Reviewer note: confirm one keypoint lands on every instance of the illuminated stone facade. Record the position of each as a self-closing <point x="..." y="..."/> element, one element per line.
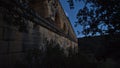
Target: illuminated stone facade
<point x="31" y="24"/>
<point x="52" y="11"/>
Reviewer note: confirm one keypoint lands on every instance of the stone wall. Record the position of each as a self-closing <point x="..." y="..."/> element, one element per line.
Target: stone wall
<point x="21" y="30"/>
<point x="55" y="14"/>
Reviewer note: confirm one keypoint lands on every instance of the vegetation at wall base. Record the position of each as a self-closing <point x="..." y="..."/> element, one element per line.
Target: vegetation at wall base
<point x="54" y="57"/>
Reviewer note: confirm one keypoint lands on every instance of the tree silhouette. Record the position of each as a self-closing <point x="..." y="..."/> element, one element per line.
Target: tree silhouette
<point x="99" y="16"/>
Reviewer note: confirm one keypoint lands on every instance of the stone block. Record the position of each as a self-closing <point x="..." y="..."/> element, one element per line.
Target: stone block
<point x="4" y="47"/>
<point x="4" y="61"/>
<point x="12" y="34"/>
<point x="26" y="37"/>
<point x="15" y="58"/>
<point x="10" y="60"/>
<point x="1" y="20"/>
<point x="1" y="33"/>
<point x="15" y="46"/>
<point x="27" y="45"/>
<point x="8" y="34"/>
<point x="18" y="36"/>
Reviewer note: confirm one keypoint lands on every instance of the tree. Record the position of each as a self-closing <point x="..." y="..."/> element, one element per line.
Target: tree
<point x="99" y="17"/>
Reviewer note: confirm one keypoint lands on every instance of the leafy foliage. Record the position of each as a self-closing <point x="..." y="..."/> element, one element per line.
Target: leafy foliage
<point x="99" y="16"/>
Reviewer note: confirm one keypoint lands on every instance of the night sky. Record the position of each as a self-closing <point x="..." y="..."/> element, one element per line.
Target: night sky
<point x="71" y="13"/>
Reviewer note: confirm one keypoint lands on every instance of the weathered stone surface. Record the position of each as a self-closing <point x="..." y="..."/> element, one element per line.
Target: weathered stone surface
<point x="4" y="61"/>
<point x="1" y="33"/>
<point x="22" y="29"/>
<point x="18" y="36"/>
<point x="4" y="47"/>
<point x="8" y="33"/>
<point x="11" y="60"/>
<point x="55" y="13"/>
<point x="60" y="31"/>
<point x="15" y="46"/>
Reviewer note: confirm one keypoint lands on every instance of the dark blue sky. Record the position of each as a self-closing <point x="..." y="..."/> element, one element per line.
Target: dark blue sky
<point x="71" y="13"/>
